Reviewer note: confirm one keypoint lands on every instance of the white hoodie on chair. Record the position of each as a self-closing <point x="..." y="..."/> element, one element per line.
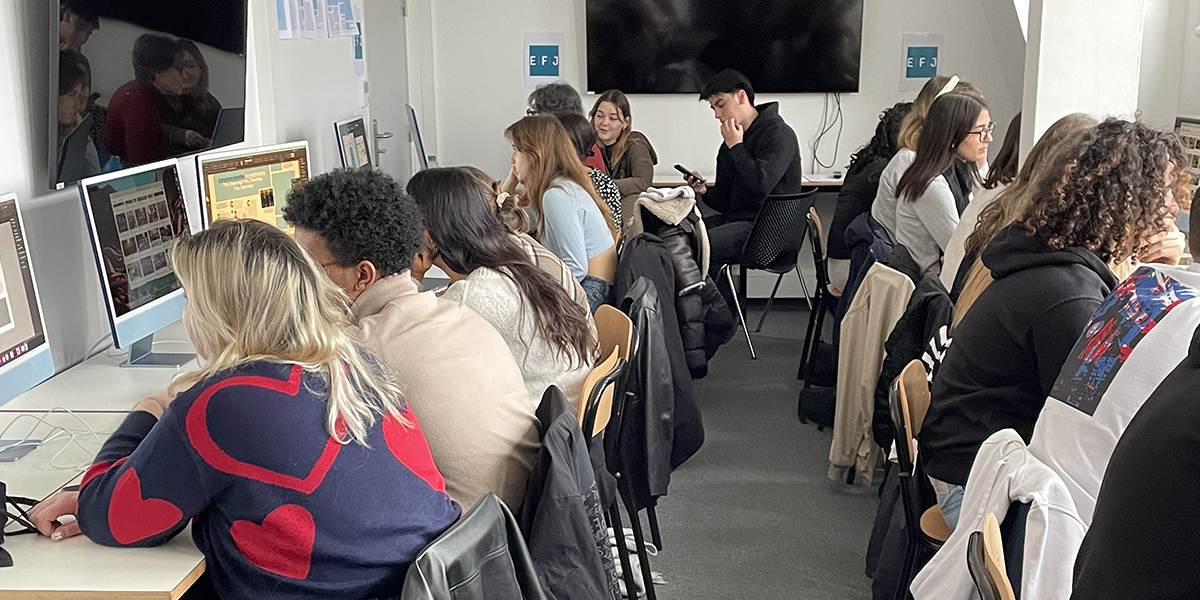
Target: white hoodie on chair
<point x="1005" y="472"/>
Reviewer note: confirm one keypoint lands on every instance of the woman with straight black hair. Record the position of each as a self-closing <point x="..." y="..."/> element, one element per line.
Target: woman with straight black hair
<point x="548" y="334"/>
<point x="936" y="189"/>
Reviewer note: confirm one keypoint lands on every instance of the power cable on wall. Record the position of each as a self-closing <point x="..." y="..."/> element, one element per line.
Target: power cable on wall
<point x="828" y="122"/>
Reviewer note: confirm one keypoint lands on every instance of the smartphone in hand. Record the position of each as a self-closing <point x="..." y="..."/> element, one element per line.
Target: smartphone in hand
<point x="688" y="175"/>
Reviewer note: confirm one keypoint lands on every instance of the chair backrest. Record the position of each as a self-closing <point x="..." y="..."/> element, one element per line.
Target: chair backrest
<point x="483" y="555"/>
<point x="597" y="392"/>
<point x="816" y="239"/>
<point x="615" y="331"/>
<point x="977" y="566"/>
<point x="993" y="556"/>
<point x="914" y="395"/>
<point x="778" y="233"/>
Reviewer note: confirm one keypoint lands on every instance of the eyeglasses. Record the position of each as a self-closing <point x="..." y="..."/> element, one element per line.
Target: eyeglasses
<point x="987" y="130"/>
<point x="529" y="112"/>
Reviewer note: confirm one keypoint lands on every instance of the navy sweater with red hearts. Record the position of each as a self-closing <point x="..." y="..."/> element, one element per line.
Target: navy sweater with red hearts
<point x="279" y="508"/>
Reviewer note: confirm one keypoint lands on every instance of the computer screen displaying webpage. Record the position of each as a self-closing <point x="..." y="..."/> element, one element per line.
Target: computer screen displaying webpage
<point x="21" y="328"/>
<point x="136" y="219"/>
<point x="254" y="185"/>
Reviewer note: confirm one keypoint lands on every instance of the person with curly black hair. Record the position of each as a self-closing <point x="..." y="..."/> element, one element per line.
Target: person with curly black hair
<point x="453" y="367"/>
<point x="861" y="185"/>
<point x="1110" y="198"/>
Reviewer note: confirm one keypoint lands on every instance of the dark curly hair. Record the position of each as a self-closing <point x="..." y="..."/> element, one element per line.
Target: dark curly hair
<point x="1110" y="194"/>
<point x="361" y="215"/>
<point x="883" y="144"/>
<point x="557" y="98"/>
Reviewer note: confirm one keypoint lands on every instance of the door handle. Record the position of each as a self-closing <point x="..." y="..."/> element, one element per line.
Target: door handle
<point x="384" y="135"/>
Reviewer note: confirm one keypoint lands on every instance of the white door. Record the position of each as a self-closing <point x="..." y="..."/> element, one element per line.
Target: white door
<point x="385" y="51"/>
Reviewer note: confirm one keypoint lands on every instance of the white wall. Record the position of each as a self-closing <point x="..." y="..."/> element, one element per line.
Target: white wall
<point x="1189" y="74"/>
<point x="114" y="42"/>
<point x="1166" y="32"/>
<point x="479" y="90"/>
<point x="295" y="90"/>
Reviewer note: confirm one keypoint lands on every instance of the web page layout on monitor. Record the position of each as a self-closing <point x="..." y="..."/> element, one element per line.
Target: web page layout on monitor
<point x="137" y="218"/>
<point x="253" y="186"/>
<point x="20" y="320"/>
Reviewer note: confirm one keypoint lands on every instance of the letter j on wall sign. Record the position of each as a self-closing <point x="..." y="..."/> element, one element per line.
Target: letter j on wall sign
<point x="543" y="58"/>
<point x="920" y="59"/>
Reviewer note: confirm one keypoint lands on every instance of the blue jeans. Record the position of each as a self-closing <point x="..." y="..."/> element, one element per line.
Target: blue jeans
<point x="949" y="499"/>
<point x="596" y="290"/>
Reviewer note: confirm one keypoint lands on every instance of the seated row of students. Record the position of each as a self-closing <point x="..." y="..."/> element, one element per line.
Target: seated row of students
<point x="337" y="317"/>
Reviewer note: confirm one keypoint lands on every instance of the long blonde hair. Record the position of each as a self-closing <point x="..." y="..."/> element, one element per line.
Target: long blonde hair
<point x="551" y="155"/>
<point x="914" y="121"/>
<point x="254" y="295"/>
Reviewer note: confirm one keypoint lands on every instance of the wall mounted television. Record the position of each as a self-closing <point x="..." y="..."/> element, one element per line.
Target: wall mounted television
<point x="138" y="81"/>
<point x="674" y="46"/>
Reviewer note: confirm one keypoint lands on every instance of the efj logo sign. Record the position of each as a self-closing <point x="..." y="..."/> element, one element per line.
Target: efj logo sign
<point x="543" y="61"/>
<point x="922" y="61"/>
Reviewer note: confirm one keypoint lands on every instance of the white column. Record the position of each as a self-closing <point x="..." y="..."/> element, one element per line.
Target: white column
<point x="1081" y="56"/>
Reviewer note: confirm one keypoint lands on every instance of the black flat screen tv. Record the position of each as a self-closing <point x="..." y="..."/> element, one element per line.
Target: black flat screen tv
<point x="138" y="81"/>
<point x="674" y="46"/>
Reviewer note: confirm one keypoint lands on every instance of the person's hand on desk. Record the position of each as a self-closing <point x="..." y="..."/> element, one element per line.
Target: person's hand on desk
<point x="45" y="515"/>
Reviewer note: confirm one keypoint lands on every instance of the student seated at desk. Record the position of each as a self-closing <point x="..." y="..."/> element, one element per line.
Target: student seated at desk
<point x="548" y="335"/>
<point x="454" y="368"/>
<point x="760" y="157"/>
<point x="1100" y="203"/>
<point x="293" y="455"/>
<point x="570" y="218"/>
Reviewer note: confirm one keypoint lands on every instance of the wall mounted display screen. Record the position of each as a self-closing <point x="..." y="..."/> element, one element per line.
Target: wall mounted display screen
<point x="137" y="81"/>
<point x="675" y="46"/>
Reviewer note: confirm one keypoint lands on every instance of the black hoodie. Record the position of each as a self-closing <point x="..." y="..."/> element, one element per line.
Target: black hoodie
<point x="767" y="162"/>
<point x="1009" y="347"/>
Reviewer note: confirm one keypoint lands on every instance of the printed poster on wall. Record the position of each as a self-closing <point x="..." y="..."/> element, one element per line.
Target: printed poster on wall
<point x="920" y="55"/>
<point x="543" y="58"/>
<point x="1188" y="130"/>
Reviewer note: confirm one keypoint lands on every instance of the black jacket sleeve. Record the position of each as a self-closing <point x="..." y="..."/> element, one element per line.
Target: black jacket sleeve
<point x="763" y="166"/>
<point x="1053" y="335"/>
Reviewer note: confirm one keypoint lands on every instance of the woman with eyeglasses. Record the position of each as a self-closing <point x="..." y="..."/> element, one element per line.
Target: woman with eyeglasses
<point x="936" y="189"/>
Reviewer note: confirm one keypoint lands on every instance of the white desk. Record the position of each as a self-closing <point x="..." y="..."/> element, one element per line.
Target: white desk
<point x="100" y="392"/>
<point x="100" y="384"/>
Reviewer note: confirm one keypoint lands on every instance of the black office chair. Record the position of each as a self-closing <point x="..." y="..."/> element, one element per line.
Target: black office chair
<point x="773" y="245"/>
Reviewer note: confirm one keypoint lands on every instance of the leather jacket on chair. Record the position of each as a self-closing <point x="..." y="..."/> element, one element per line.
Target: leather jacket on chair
<point x="481" y="557"/>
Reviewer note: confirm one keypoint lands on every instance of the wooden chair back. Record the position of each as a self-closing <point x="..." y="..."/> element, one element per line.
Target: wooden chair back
<point x="597" y="375"/>
<point x="993" y="557"/>
<point x="914" y="401"/>
<point x="615" y="331"/>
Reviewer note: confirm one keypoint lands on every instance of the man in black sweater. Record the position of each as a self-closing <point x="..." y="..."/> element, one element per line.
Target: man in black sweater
<point x="760" y="157"/>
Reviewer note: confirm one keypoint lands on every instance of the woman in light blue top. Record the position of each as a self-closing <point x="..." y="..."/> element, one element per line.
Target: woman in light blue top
<point x="571" y="219"/>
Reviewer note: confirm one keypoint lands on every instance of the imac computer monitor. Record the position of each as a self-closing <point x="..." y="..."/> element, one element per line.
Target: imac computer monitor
<point x="25" y="359"/>
<point x="134" y="216"/>
<point x="251" y="183"/>
<point x="352" y="143"/>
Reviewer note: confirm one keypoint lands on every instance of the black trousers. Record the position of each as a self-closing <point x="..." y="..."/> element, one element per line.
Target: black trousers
<point x="725" y="241"/>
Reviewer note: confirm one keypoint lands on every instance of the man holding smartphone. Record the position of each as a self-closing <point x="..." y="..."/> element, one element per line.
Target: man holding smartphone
<point x="760" y="157"/>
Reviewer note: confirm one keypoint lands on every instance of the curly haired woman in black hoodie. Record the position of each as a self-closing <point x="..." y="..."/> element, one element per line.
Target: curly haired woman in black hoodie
<point x="1101" y="203"/>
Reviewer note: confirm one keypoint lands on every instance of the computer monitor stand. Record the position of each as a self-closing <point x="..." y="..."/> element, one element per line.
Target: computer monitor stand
<point x="142" y="354"/>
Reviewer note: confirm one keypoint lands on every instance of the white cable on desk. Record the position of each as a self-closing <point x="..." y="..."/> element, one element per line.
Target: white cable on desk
<point x="56" y="433"/>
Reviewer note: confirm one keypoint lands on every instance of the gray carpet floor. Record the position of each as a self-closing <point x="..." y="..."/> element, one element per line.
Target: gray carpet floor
<point x="753" y="513"/>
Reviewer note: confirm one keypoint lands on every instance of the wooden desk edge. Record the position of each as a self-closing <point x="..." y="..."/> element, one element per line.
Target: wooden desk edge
<point x="190" y="580"/>
<point x="174" y="594"/>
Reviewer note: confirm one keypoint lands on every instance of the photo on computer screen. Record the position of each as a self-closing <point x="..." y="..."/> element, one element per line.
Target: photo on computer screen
<point x="20" y="319"/>
<point x="253" y="184"/>
<point x="156" y="201"/>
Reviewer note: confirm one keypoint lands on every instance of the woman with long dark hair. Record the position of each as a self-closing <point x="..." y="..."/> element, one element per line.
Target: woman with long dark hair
<point x="860" y="187"/>
<point x="191" y="117"/>
<point x="547" y="333"/>
<point x="1003" y="172"/>
<point x="937" y="187"/>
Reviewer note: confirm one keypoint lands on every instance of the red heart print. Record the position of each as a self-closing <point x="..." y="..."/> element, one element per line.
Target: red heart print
<point x="409" y="446"/>
<point x="132" y="518"/>
<point x="198" y="435"/>
<point x="282" y="544"/>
